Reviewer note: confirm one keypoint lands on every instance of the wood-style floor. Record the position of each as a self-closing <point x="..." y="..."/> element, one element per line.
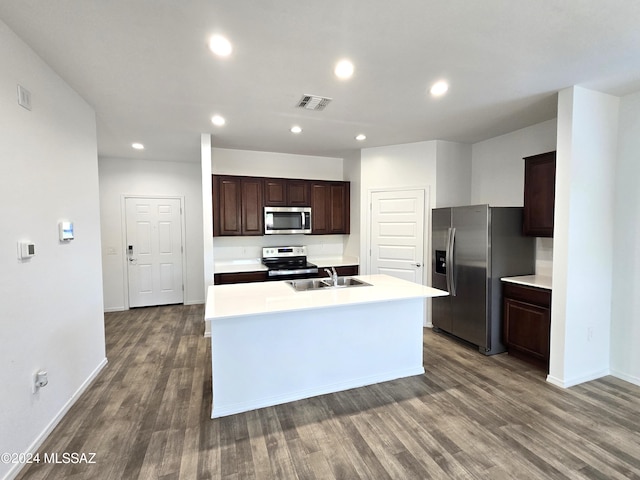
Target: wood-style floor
<point x="147" y="416"/>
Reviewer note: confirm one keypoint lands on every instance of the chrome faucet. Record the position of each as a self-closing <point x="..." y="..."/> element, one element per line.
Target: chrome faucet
<point x="333" y="275"/>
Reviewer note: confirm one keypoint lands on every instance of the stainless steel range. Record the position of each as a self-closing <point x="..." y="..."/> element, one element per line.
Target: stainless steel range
<point x="288" y="263"/>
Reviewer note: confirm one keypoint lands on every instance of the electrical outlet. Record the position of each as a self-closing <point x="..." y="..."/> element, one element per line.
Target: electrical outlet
<point x="40" y="379"/>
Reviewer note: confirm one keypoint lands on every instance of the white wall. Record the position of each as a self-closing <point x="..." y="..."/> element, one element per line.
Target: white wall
<point x="453" y="174"/>
<point x="353" y="174"/>
<point x="272" y="164"/>
<point x="583" y="236"/>
<point x="497" y="176"/>
<point x="625" y="321"/>
<point x="279" y="165"/>
<point x="51" y="307"/>
<point x="207" y="209"/>
<point x="126" y="176"/>
<point x="410" y="165"/>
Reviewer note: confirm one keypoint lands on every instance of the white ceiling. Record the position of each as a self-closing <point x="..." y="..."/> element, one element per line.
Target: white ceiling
<point x="145" y="67"/>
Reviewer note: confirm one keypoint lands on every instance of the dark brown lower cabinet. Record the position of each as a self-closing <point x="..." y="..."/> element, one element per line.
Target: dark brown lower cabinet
<point x="343" y="271"/>
<point x="261" y="276"/>
<point x="240" y="277"/>
<point x="527" y="323"/>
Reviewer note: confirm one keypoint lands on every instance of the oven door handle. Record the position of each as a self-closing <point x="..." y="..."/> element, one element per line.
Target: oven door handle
<point x="277" y="273"/>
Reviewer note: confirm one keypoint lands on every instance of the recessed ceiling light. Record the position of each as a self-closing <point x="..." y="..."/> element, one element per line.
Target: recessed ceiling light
<point x="344" y="69"/>
<point x="439" y="88"/>
<point x="296" y="129"/>
<point x="220" y="46"/>
<point x="361" y="137"/>
<point x="137" y="146"/>
<point x="218" y="120"/>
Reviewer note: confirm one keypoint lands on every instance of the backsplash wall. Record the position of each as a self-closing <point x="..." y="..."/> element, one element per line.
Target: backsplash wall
<point x="544" y="256"/>
<point x="248" y="248"/>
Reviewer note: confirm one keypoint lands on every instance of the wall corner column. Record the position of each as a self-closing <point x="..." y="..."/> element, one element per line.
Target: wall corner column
<point x="207" y="209"/>
<point x="583" y="236"/>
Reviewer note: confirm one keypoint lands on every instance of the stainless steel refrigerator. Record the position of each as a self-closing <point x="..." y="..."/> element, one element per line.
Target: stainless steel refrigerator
<point x="472" y="248"/>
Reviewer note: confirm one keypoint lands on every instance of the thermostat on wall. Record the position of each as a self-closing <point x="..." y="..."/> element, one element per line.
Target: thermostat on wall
<point x="66" y="231"/>
<point x="26" y="250"/>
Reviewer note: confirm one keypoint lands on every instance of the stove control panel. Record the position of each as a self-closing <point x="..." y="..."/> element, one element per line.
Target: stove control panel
<point x="294" y="251"/>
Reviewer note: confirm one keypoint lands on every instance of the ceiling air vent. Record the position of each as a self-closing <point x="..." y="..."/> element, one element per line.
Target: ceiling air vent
<point x="313" y="102"/>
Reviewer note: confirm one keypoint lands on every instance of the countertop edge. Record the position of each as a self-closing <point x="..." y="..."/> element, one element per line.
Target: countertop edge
<point x="387" y="289"/>
<point x="537" y="281"/>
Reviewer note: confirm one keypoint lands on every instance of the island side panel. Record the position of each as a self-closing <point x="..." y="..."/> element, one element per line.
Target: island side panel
<point x="269" y="359"/>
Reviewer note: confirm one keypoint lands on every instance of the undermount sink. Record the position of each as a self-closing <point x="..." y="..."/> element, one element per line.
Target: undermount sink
<point x="325" y="283"/>
<point x="349" y="282"/>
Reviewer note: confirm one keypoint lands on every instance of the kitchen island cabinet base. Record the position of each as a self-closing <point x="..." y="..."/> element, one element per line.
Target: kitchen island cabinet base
<point x="272" y="358"/>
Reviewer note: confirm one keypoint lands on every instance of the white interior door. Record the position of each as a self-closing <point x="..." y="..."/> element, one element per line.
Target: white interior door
<point x="154" y="251"/>
<point x="397" y="234"/>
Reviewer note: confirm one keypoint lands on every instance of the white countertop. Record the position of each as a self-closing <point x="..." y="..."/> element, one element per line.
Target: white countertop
<point x="255" y="264"/>
<point x="239" y="266"/>
<point x="245" y="299"/>
<point x="539" y="281"/>
<point x="323" y="262"/>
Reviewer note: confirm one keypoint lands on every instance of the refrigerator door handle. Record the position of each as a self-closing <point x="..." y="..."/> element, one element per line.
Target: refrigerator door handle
<point x="451" y="280"/>
<point x="447" y="260"/>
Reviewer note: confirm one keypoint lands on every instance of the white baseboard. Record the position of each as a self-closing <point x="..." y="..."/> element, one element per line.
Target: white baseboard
<point x="15" y="470"/>
<point x="114" y="309"/>
<point x="122" y="309"/>
<point x="195" y="302"/>
<point x="571" y="382"/>
<point x="626" y="377"/>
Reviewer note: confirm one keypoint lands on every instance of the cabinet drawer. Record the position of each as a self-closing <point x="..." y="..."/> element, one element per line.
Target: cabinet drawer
<point x="533" y="295"/>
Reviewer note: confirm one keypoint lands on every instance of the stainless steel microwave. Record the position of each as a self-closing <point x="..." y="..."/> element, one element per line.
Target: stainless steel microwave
<point x="287" y="220"/>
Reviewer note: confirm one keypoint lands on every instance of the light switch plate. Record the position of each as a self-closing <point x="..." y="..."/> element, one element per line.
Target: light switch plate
<point x="24" y="97"/>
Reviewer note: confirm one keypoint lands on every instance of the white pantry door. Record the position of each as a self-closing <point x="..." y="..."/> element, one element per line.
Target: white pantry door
<point x="397" y="234"/>
<point x="154" y="251"/>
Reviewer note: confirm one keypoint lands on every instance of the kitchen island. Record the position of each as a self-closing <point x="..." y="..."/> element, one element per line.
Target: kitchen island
<point x="271" y="344"/>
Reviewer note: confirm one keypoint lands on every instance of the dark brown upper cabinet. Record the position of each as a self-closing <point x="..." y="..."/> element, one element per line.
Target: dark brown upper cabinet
<point x="330" y="207"/>
<point x="237" y="206"/>
<point x="539" y="194"/>
<point x="238" y="203"/>
<point x="285" y="192"/>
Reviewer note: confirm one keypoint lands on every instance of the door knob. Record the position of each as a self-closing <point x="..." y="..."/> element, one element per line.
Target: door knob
<point x="417" y="265"/>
